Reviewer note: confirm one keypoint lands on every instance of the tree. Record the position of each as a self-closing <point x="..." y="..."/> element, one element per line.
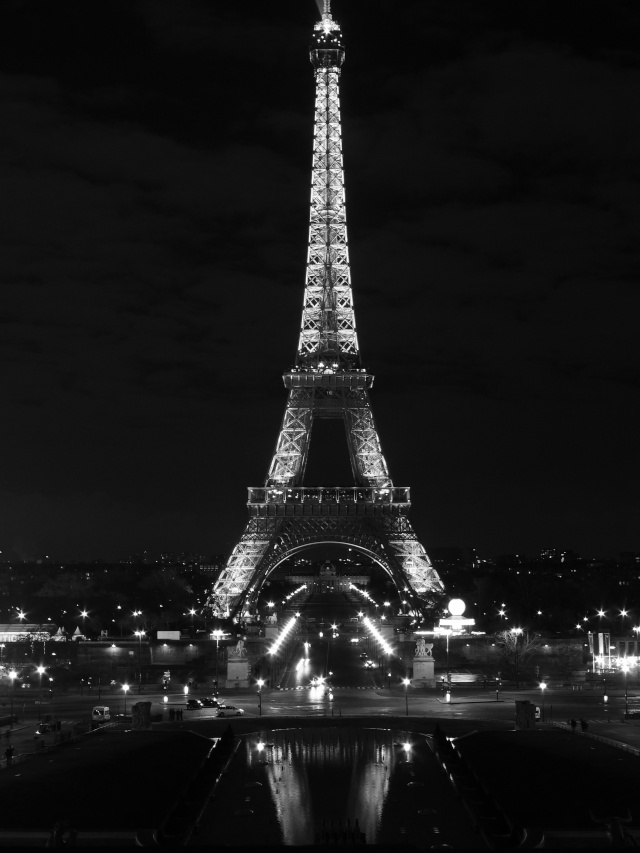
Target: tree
<point x="516" y="645"/>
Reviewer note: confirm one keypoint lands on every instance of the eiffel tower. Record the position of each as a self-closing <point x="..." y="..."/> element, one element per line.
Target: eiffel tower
<point x="327" y="381"/>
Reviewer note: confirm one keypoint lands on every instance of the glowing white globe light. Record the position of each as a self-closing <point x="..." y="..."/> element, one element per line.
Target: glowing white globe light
<point x="456" y="607"/>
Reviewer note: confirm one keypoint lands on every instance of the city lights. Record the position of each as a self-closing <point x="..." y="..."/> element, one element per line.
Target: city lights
<point x="283" y="635"/>
<point x="372" y="628"/>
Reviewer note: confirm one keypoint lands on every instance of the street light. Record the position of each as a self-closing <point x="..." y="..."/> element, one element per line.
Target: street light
<point x="40" y="672"/>
<point x="543" y="686"/>
<point x="406" y="682"/>
<point x="625" y="669"/>
<point x="260" y="683"/>
<point x="12" y="675"/>
<point x="217" y="634"/>
<point x="517" y="632"/>
<point x="125" y="687"/>
<point x="139" y="635"/>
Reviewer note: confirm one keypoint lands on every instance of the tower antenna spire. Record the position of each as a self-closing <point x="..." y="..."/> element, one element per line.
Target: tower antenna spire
<point x="327" y="9"/>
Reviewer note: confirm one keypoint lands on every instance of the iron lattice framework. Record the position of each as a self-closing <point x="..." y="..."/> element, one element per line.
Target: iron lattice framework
<point x="327" y="381"/>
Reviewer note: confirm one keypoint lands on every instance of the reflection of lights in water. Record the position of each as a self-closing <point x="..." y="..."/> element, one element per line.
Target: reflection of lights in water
<point x="326" y="775"/>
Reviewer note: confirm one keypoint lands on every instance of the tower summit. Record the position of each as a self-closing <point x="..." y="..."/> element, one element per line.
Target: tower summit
<point x="327" y="381"/>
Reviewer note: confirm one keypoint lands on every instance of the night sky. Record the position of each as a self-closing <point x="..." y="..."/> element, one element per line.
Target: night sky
<point x="155" y="177"/>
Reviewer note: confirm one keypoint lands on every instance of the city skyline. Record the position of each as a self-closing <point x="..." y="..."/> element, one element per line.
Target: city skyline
<point x="157" y="164"/>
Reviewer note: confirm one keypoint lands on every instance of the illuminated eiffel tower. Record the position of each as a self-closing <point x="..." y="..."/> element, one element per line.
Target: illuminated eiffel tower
<point x="327" y="381"/>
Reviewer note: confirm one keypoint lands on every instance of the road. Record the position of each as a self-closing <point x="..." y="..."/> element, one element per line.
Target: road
<point x="351" y="687"/>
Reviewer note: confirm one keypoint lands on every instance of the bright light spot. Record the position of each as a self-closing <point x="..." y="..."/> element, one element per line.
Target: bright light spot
<point x="456" y="607"/>
<point x="282" y="636"/>
<point x="406" y="746"/>
<point x="260" y="746"/>
<point x="369" y="624"/>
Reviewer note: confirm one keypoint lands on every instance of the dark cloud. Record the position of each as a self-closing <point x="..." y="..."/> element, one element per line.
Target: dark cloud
<point x="155" y="173"/>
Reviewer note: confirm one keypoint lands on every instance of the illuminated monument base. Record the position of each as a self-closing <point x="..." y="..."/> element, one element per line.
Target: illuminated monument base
<point x="423" y="665"/>
<point x="238" y="669"/>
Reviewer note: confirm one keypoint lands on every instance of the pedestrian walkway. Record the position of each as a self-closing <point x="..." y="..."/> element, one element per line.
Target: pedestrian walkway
<point x="621" y="733"/>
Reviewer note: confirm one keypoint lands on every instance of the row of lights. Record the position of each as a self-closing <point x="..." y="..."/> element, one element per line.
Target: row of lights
<point x="283" y="634"/>
<point x="372" y="628"/>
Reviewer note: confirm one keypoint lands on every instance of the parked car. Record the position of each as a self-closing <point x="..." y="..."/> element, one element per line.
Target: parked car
<point x="210" y="702"/>
<point x="229" y="711"/>
<point x="369" y="664"/>
<point x="194" y="705"/>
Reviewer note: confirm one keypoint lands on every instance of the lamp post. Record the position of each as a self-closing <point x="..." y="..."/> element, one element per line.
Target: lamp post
<point x="40" y="672"/>
<point x="517" y="632"/>
<point x="623" y="613"/>
<point x="125" y="687"/>
<point x="543" y="686"/>
<point x="260" y="683"/>
<point x="12" y="675"/>
<point x="406" y="682"/>
<point x="139" y="634"/>
<point x="217" y="634"/>
<point x="625" y="669"/>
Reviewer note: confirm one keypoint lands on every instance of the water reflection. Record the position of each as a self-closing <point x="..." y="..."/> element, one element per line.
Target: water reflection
<point x="324" y="779"/>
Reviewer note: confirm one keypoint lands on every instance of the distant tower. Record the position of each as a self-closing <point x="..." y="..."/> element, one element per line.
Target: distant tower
<point x="327" y="381"/>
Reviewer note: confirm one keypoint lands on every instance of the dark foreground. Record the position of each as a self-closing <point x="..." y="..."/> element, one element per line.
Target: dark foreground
<point x="176" y="787"/>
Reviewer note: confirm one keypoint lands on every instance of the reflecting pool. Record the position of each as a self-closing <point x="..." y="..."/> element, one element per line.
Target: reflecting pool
<point x="335" y="785"/>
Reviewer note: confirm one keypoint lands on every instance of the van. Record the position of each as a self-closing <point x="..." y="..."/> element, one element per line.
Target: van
<point x="100" y="714"/>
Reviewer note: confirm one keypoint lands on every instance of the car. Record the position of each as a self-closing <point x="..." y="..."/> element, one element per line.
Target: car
<point x="194" y="705"/>
<point x="369" y="663"/>
<point x="100" y="714"/>
<point x="210" y="702"/>
<point x="229" y="711"/>
<point x="364" y="655"/>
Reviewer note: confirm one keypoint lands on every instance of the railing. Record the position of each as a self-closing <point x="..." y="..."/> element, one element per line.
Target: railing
<point x="634" y="750"/>
<point x="334" y="495"/>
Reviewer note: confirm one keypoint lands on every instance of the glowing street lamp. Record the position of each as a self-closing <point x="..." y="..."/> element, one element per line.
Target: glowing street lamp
<point x="125" y="688"/>
<point x="623" y="614"/>
<point x="517" y="632"/>
<point x="139" y="635"/>
<point x="406" y="682"/>
<point x="12" y="675"/>
<point x="260" y="684"/>
<point x="40" y="672"/>
<point x="217" y="634"/>
<point x="543" y="686"/>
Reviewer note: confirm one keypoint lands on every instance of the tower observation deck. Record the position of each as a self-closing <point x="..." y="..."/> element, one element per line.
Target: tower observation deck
<point x="327" y="380"/>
